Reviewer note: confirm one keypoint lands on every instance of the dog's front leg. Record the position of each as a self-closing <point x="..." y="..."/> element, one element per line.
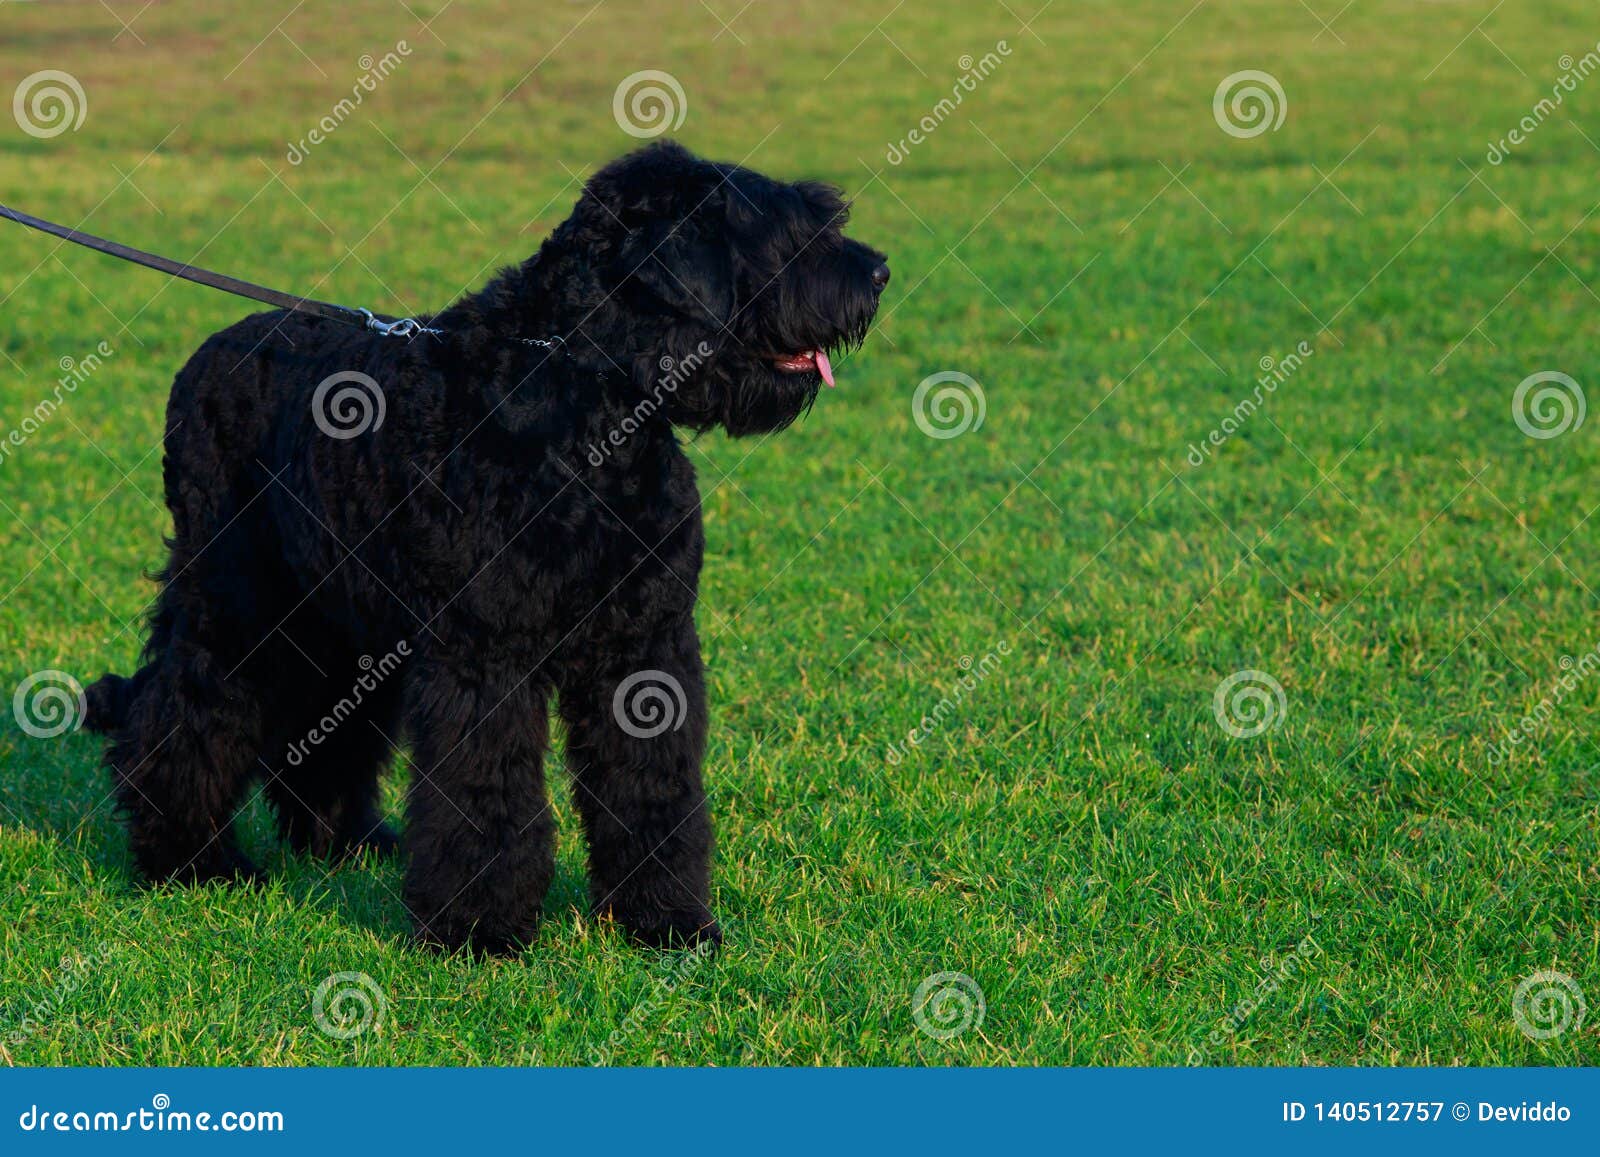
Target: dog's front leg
<point x="635" y="715"/>
<point x="480" y="835"/>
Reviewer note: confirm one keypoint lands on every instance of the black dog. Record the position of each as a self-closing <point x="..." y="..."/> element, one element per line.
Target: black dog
<point x="499" y="520"/>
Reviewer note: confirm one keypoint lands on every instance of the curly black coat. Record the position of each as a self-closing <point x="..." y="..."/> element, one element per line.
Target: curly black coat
<point x="499" y="521"/>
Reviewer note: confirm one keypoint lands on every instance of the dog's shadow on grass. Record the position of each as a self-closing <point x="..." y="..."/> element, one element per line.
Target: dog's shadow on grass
<point x="365" y="891"/>
<point x="56" y="789"/>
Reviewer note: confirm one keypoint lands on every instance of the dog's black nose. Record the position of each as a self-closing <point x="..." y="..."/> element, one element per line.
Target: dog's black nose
<point x="880" y="277"/>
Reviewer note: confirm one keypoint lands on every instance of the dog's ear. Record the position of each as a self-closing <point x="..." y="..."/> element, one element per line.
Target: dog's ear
<point x="667" y="205"/>
<point x="691" y="275"/>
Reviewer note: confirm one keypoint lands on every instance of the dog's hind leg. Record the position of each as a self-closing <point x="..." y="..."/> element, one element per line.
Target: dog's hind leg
<point x="182" y="760"/>
<point x="188" y="743"/>
<point x="636" y="729"/>
<point x="479" y="831"/>
<point x="323" y="774"/>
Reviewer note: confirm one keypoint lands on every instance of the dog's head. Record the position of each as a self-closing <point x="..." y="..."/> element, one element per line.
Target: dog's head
<point x="728" y="289"/>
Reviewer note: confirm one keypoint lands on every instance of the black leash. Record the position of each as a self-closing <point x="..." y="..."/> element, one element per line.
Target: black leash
<point x="406" y="327"/>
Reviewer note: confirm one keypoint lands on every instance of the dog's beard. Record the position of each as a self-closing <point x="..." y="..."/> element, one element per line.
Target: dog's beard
<point x="737" y="390"/>
<point x="750" y="388"/>
<point x="767" y="400"/>
<point x="777" y="369"/>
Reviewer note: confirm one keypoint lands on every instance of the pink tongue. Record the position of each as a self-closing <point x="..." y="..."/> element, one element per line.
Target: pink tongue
<point x="824" y="367"/>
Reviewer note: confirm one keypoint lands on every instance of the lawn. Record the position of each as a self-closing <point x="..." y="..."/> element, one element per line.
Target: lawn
<point x="1349" y="864"/>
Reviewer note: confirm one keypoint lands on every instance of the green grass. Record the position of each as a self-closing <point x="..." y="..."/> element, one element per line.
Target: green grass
<point x="1079" y="836"/>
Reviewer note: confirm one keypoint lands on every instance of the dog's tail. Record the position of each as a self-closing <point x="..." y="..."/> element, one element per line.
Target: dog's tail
<point x="109" y="699"/>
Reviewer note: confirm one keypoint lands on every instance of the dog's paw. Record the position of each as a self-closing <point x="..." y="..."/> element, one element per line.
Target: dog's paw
<point x="219" y="864"/>
<point x="479" y="941"/>
<point x="682" y="929"/>
<point x="380" y="841"/>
